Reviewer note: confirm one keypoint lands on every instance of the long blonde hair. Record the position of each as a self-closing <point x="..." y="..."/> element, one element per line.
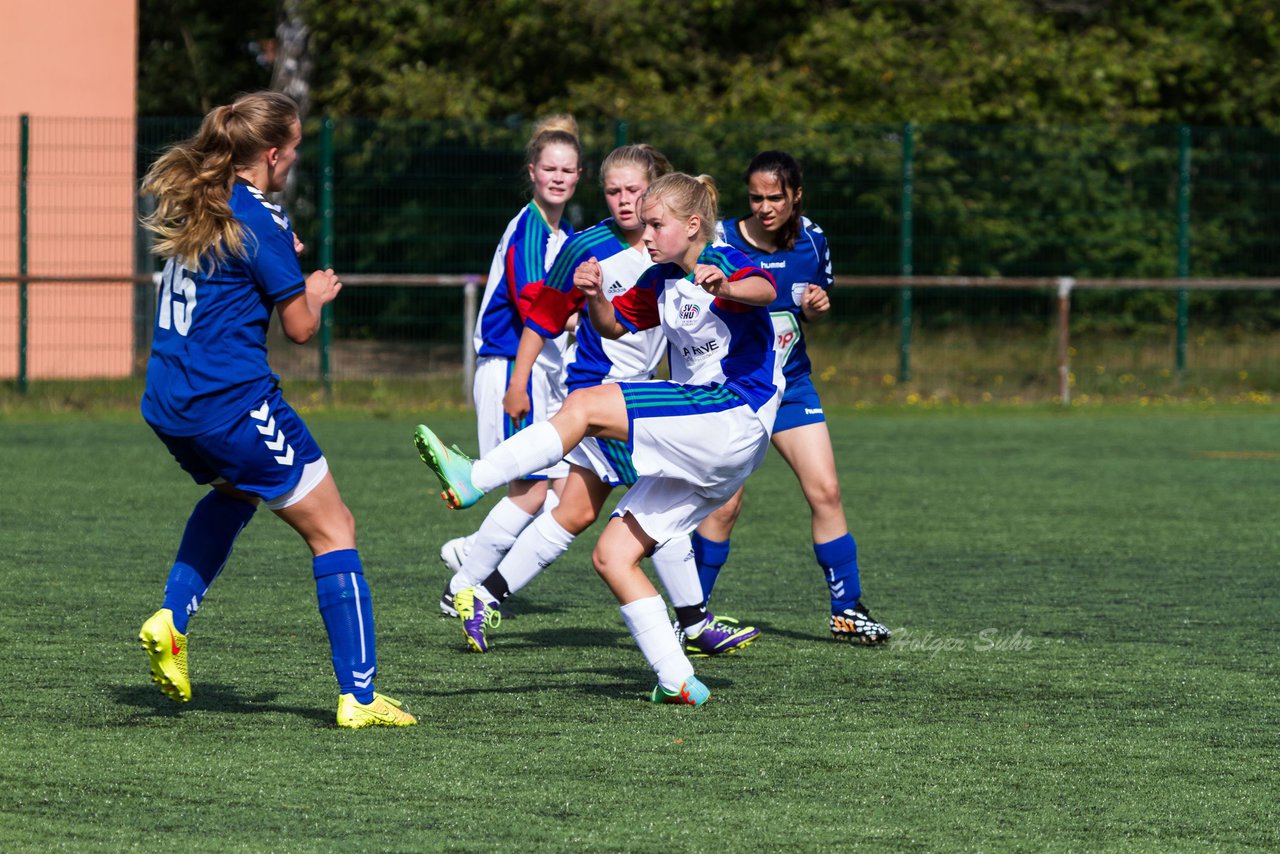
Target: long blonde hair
<point x="192" y="181"/>
<point x="684" y="196"/>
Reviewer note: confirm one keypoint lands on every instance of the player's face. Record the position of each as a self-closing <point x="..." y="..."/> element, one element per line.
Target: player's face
<point x="771" y="205"/>
<point x="555" y="175"/>
<point x="623" y="186"/>
<point x="667" y="238"/>
<point x="280" y="160"/>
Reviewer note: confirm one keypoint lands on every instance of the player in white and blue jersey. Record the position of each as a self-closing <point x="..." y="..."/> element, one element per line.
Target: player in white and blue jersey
<point x="211" y="397"/>
<point x="510" y="396"/>
<point x="693" y="440"/>
<point x="597" y="465"/>
<point x="779" y="238"/>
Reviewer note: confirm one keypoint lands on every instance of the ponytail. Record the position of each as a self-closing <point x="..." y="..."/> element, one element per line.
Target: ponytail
<point x="192" y="181"/>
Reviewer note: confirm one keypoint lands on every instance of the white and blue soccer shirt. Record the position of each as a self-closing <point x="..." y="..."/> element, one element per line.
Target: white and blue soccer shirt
<point x="597" y="360"/>
<point x="208" y="360"/>
<point x="523" y="256"/>
<point x="713" y="341"/>
<point x="808" y="262"/>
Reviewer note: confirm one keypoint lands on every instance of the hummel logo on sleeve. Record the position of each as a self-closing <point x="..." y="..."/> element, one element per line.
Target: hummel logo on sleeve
<point x="277" y="212"/>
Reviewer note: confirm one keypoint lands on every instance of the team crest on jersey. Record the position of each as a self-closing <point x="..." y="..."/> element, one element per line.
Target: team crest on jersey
<point x="689" y="313"/>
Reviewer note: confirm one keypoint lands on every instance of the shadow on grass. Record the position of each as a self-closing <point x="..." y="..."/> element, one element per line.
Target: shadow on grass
<point x="151" y="704"/>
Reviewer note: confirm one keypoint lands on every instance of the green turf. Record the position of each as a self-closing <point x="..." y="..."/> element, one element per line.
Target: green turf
<point x="1084" y="606"/>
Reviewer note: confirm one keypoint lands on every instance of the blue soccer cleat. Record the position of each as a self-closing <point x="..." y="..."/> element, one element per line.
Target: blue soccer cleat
<point x="450" y="465"/>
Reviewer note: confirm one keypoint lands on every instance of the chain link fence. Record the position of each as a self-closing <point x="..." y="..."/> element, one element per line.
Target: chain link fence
<point x="948" y="242"/>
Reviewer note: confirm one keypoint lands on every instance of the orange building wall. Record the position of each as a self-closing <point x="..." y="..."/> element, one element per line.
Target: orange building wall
<point x="70" y="65"/>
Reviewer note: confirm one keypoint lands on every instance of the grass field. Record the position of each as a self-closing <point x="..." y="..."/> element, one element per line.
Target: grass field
<point x="1085" y="615"/>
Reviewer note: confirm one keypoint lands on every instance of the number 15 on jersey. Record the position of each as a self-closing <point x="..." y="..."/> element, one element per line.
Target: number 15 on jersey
<point x="177" y="298"/>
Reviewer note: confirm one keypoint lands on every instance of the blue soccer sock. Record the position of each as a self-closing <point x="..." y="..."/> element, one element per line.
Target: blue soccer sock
<point x="347" y="609"/>
<point x="206" y="544"/>
<point x="839" y="562"/>
<point x="711" y="556"/>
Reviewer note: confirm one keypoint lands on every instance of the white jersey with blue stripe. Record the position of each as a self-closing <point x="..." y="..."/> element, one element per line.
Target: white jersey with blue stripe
<point x="523" y="256"/>
<point x="208" y="360"/>
<point x="808" y="262"/>
<point x="712" y="340"/>
<point x="599" y="360"/>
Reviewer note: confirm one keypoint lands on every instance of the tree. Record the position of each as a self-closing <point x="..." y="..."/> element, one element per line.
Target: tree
<point x="194" y="55"/>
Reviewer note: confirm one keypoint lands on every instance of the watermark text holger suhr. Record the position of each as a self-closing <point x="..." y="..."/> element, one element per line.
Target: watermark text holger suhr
<point x="986" y="640"/>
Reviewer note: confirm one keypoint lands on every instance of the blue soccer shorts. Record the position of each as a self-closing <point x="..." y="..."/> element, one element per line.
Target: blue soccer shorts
<point x="262" y="450"/>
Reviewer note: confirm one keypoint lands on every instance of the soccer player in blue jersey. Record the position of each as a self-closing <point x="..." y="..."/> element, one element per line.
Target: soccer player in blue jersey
<point x="693" y="439"/>
<point x="597" y="465"/>
<point x="231" y="259"/>
<point x="778" y="237"/>
<point x="509" y="397"/>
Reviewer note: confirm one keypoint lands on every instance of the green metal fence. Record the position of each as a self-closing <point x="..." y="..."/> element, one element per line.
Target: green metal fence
<point x="382" y="200"/>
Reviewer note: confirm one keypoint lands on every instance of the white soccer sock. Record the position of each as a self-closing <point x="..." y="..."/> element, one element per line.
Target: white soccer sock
<point x="647" y="620"/>
<point x="552" y="501"/>
<point x="536" y="547"/>
<point x="678" y="571"/>
<point x="495" y="537"/>
<point x="532" y="449"/>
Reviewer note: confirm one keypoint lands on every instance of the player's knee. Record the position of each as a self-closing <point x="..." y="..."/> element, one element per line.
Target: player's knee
<point x="575" y="520"/>
<point x="825" y="495"/>
<point x="607" y="565"/>
<point x="727" y="513"/>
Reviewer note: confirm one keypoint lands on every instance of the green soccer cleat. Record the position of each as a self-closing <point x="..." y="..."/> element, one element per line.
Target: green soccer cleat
<point x="381" y="711"/>
<point x="167" y="650"/>
<point x="450" y="465"/>
<point x="691" y="693"/>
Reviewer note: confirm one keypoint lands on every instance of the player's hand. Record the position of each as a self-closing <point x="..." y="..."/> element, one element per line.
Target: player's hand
<point x="589" y="277"/>
<point x="710" y="278"/>
<point x="298" y="245"/>
<point x="815" y="302"/>
<point x="323" y="286"/>
<point x="515" y="403"/>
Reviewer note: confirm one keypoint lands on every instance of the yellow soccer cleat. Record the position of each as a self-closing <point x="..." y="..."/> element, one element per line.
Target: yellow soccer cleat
<point x="382" y="711"/>
<point x="167" y="650"/>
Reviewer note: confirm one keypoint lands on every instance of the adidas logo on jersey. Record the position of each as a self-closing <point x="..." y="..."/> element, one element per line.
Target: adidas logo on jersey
<point x="615" y="288"/>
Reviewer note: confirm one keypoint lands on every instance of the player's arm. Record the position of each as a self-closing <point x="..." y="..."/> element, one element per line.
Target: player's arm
<point x="274" y="265"/>
<point x="588" y="279"/>
<point x="815" y="302"/>
<point x="750" y="289"/>
<point x="300" y="314"/>
<point x="515" y="402"/>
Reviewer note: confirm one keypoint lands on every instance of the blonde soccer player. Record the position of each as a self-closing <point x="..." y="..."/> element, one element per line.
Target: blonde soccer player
<point x="212" y="399"/>
<point x="693" y="439"/>
<point x="507" y="400"/>
<point x="597" y="465"/>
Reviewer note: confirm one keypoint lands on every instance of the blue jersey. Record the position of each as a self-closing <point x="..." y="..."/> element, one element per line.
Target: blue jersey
<point x="713" y="341"/>
<point x="808" y="262"/>
<point x="523" y="256"/>
<point x="209" y="347"/>
<point x="597" y="359"/>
